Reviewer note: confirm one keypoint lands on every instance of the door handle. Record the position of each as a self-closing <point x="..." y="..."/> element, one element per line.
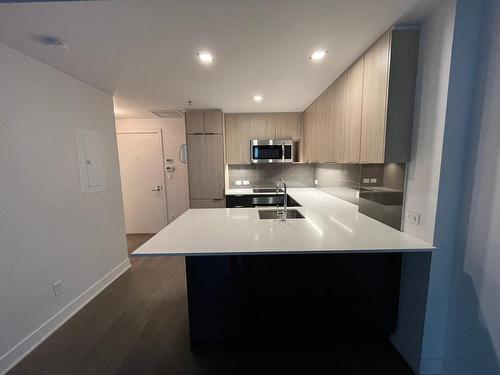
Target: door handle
<point x="156" y="188"/>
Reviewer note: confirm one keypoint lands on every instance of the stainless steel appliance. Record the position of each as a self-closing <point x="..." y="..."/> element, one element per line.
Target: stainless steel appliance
<point x="267" y="190"/>
<point x="271" y="151"/>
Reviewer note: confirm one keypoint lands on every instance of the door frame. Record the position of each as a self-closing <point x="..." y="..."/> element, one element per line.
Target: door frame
<point x="162" y="152"/>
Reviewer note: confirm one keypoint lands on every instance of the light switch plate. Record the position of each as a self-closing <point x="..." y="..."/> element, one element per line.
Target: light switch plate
<point x="246" y="182"/>
<point x="413" y="218"/>
<point x="373" y="180"/>
<point x="366" y="180"/>
<point x="315" y="182"/>
<point x="237" y="182"/>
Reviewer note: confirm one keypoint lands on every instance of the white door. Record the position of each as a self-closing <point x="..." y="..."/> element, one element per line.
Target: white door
<point x="141" y="170"/>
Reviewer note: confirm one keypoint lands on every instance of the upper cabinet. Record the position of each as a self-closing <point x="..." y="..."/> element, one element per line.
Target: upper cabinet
<point x="195" y="123"/>
<point x="336" y="125"/>
<point x="390" y="70"/>
<point x="324" y="125"/>
<point x="319" y="128"/>
<point x="366" y="115"/>
<point x="262" y="125"/>
<point x="353" y="110"/>
<point x="288" y="125"/>
<point x="309" y="133"/>
<point x="213" y="122"/>
<point x="241" y="128"/>
<point x="374" y="107"/>
<point x="237" y="138"/>
<point x="204" y="122"/>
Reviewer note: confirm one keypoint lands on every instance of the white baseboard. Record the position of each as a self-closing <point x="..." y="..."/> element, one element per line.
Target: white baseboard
<point x="431" y="366"/>
<point x="35" y="338"/>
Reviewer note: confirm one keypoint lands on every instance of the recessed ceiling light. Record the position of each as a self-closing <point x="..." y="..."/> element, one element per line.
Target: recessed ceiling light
<point x="318" y="55"/>
<point x="206" y="57"/>
<point x="257" y="98"/>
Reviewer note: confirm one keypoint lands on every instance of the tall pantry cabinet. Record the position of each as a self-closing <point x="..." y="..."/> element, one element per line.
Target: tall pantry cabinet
<point x="204" y="133"/>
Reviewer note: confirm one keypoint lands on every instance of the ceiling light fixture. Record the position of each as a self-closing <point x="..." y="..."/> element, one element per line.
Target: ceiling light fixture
<point x="257" y="98"/>
<point x="318" y="55"/>
<point x="206" y="57"/>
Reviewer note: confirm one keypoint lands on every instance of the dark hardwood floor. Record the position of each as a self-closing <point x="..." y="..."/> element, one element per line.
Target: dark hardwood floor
<point x="139" y="325"/>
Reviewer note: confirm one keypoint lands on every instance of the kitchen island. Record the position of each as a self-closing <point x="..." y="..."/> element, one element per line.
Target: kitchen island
<point x="334" y="273"/>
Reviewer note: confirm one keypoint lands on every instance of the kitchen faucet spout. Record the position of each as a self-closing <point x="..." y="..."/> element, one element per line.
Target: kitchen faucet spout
<point x="283" y="213"/>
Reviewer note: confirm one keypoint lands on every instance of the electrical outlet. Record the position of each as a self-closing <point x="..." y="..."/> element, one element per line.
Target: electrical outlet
<point x="373" y="180"/>
<point x="413" y="218"/>
<point x="246" y="182"/>
<point x="237" y="182"/>
<point x="366" y="180"/>
<point x="316" y="182"/>
<point x="57" y="287"/>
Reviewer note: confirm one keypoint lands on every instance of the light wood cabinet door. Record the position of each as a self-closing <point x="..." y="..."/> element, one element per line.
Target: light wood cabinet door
<point x="321" y="140"/>
<point x="288" y="125"/>
<point x="262" y="126"/>
<point x="374" y="110"/>
<point x="205" y="166"/>
<point x="337" y="102"/>
<point x="213" y="122"/>
<point x="237" y="138"/>
<point x="208" y="203"/>
<point x="354" y="101"/>
<point x="195" y="122"/>
<point x="309" y="132"/>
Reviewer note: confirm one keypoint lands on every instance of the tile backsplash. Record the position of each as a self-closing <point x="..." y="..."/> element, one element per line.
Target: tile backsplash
<point x="377" y="189"/>
<point x="267" y="175"/>
<point x="340" y="180"/>
<point x="382" y="192"/>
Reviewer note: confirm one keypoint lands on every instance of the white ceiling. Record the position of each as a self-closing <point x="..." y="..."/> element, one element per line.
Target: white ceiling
<point x="144" y="52"/>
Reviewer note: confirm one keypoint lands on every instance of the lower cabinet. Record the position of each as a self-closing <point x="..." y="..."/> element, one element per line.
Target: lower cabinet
<point x="246" y="299"/>
<point x="208" y="203"/>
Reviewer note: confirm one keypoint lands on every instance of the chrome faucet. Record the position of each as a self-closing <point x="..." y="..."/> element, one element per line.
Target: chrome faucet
<point x="282" y="214"/>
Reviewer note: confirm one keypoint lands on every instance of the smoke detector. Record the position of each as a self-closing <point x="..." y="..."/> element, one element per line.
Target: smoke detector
<point x="52" y="41"/>
<point x="168" y="113"/>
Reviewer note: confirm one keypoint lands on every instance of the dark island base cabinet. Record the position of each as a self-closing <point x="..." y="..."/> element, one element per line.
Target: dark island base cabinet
<point x="269" y="299"/>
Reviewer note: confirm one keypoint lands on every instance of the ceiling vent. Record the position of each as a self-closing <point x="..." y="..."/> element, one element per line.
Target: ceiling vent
<point x="168" y="113"/>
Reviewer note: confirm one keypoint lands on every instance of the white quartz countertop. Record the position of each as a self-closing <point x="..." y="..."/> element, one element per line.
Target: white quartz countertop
<point x="331" y="226"/>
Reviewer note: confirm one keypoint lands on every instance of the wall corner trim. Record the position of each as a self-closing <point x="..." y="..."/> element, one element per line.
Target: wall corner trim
<point x="431" y="366"/>
<point x="12" y="357"/>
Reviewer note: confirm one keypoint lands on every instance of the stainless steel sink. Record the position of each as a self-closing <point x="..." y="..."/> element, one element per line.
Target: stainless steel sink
<point x="272" y="214"/>
<point x="266" y="190"/>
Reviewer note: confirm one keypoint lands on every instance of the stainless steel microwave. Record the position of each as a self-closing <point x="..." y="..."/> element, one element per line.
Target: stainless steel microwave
<point x="271" y="151"/>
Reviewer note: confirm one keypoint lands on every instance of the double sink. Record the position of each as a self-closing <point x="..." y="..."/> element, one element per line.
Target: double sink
<point x="266" y="197"/>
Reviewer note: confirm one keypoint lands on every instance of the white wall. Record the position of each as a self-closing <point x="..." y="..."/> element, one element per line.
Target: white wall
<point x="430" y="113"/>
<point x="174" y="135"/>
<point x="473" y="342"/>
<point x="422" y="188"/>
<point x="48" y="230"/>
<point x="467" y="34"/>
